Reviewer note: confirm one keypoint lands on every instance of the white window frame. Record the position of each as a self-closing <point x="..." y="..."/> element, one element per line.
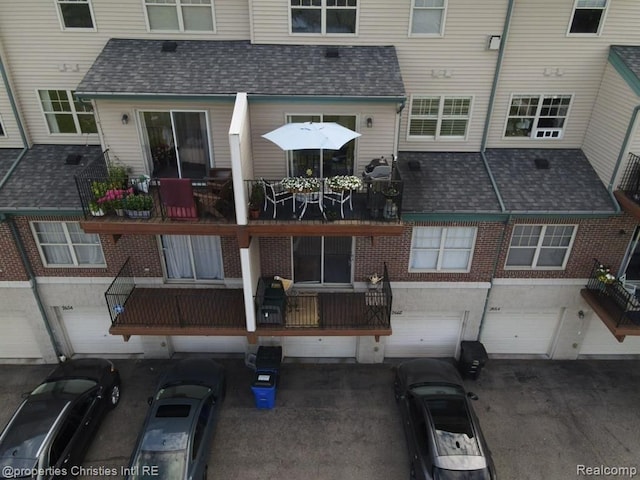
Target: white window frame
<point x="441" y="249"/>
<point x="178" y="5"/>
<point x="439" y="118"/>
<point x="75" y="29"/>
<point x="3" y="130"/>
<point x="442" y="20"/>
<point x="73" y="112"/>
<point x="323" y="7"/>
<point x="536" y="117"/>
<point x="604" y="9"/>
<point x="69" y="245"/>
<point x="539" y="247"/>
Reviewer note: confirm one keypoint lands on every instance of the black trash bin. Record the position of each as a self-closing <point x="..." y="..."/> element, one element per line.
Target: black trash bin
<point x="268" y="359"/>
<point x="473" y="356"/>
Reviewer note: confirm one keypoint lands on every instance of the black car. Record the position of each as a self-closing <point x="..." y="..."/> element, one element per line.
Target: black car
<point x="49" y="434"/>
<point x="175" y="440"/>
<point x="442" y="430"/>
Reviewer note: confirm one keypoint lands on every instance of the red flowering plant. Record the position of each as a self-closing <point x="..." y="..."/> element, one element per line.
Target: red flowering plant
<point x="114" y="198"/>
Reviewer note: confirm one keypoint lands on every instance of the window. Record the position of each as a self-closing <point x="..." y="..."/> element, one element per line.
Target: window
<point x="64" y="244"/>
<point x="538" y="116"/>
<point x="588" y="17"/>
<point x="540" y="246"/>
<point x="65" y="113"/>
<point x="439" y="117"/>
<point x="180" y="15"/>
<point x="442" y="249"/>
<point x="75" y="14"/>
<point x="324" y="16"/>
<point x="427" y="17"/>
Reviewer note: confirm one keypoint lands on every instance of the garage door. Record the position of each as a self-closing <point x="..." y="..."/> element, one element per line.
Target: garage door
<point x="424" y="335"/>
<point x="190" y="344"/>
<point x="87" y="330"/>
<point x="16" y="337"/>
<point x="600" y="341"/>
<point x="319" y="347"/>
<point x="518" y="332"/>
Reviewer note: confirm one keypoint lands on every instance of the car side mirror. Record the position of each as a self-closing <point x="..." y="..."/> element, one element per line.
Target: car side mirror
<point x="150" y="400"/>
<point x="472" y="396"/>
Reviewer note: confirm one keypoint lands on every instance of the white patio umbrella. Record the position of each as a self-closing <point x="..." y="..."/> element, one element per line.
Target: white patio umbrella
<point x="310" y="135"/>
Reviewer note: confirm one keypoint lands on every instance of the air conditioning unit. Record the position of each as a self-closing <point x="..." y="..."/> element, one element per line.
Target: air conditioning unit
<point x="548" y="133"/>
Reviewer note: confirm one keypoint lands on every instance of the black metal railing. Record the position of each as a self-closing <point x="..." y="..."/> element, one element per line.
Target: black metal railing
<point x="120" y="291"/>
<point x="630" y="182"/>
<point x="379" y="200"/>
<point x="379" y="301"/>
<point x="95" y="171"/>
<point x="626" y="307"/>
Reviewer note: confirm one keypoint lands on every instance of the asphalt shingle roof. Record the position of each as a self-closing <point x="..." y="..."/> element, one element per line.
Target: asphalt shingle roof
<point x="570" y="184"/>
<point x="7" y="157"/>
<point x="204" y="67"/>
<point x="43" y="181"/>
<point x="446" y="182"/>
<point x="630" y="55"/>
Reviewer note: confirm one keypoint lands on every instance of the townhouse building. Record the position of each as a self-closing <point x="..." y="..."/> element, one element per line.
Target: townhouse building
<point x="510" y="214"/>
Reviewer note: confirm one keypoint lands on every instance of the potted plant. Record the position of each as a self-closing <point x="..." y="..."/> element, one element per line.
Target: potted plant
<point x="98" y="191"/>
<point x="256" y="200"/>
<point x="114" y="199"/>
<point x="138" y="206"/>
<point x="341" y="183"/>
<point x="95" y="209"/>
<point x="375" y="281"/>
<point x="118" y="175"/>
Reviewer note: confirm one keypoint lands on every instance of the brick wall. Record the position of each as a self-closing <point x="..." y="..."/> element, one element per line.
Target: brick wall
<point x="11" y="267"/>
<point x="275" y="256"/>
<point x="231" y="257"/>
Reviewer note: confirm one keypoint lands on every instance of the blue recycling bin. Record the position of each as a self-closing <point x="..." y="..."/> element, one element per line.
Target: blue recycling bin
<point x="264" y="389"/>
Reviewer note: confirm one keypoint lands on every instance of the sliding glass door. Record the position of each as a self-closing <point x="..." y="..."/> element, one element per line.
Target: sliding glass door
<point x="323" y="163"/>
<point x="177" y="143"/>
<point x="322" y="260"/>
<point x="195" y="257"/>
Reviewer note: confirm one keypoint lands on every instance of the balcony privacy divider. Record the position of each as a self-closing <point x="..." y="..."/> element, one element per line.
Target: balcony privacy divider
<point x="119" y="291"/>
<point x="627" y="304"/>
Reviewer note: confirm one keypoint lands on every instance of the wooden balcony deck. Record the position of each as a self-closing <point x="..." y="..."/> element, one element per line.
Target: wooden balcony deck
<point x="217" y="312"/>
<point x="611" y="314"/>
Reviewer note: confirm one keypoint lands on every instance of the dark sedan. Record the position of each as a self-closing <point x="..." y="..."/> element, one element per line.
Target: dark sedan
<point x="49" y="434"/>
<point x="175" y="440"/>
<point x="442" y="430"/>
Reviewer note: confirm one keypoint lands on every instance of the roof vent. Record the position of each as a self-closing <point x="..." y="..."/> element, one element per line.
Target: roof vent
<point x="169" y="46"/>
<point x="73" y="159"/>
<point x="541" y="163"/>
<point x="332" y="52"/>
<point x="414" y="165"/>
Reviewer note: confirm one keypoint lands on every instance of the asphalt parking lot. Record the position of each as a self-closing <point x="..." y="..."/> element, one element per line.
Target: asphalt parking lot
<point x="336" y="421"/>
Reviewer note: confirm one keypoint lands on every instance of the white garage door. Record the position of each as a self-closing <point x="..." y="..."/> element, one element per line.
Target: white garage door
<point x="191" y="344"/>
<point x="600" y="341"/>
<point x="16" y="337"/>
<point x="424" y="335"/>
<point x="319" y="347"/>
<point x="87" y="330"/>
<point x="517" y="332"/>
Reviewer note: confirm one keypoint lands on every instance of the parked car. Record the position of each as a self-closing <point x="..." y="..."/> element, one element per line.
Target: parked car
<point x="443" y="433"/>
<point x="175" y="440"/>
<point x="49" y="433"/>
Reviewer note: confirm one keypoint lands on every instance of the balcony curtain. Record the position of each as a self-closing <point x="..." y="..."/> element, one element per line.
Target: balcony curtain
<point x="197" y="257"/>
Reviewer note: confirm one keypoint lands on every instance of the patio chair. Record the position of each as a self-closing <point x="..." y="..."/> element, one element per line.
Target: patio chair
<point x="217" y="199"/>
<point x="275" y="193"/>
<point x="177" y="198"/>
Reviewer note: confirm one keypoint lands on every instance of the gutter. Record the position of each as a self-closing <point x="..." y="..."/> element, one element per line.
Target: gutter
<point x="23" y="136"/>
<point x="34" y="284"/>
<point x="621" y="155"/>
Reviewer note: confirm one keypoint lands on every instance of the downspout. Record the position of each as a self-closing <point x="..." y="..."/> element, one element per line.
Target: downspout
<point x="623" y="149"/>
<point x="483" y="148"/>
<point x="14" y="108"/>
<point x="33" y="283"/>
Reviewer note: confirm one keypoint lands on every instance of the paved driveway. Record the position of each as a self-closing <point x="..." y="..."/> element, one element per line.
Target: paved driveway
<point x="339" y="421"/>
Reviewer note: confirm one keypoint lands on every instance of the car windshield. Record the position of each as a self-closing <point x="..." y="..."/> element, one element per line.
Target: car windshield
<point x="169" y="465"/>
<point x="73" y="386"/>
<point x="453" y="431"/>
<point x="442" y="474"/>
<point x="188" y="391"/>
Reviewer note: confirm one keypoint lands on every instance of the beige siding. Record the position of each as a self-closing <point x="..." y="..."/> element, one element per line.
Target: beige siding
<point x="462" y="51"/>
<point x="271" y="162"/>
<point x="37" y="48"/>
<point x="609" y="121"/>
<point x="538" y="41"/>
<point x="11" y="138"/>
<point x="124" y="141"/>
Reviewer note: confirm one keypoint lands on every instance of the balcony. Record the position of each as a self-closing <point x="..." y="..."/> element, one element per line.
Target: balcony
<point x="616" y="306"/>
<point x="219" y="311"/>
<point x="628" y="193"/>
